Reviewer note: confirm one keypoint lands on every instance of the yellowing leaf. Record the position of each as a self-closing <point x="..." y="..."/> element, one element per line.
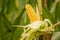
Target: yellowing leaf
<point x="31" y="13"/>
<point x="16" y="2"/>
<point x="40" y="8"/>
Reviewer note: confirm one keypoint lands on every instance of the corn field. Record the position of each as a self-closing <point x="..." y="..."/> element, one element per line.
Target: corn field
<point x="29" y="19"/>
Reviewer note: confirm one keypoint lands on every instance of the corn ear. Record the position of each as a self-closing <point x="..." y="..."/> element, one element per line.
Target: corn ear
<point x="31" y="13"/>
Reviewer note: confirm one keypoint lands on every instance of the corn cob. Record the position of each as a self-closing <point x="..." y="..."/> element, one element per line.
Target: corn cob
<point x="31" y="13"/>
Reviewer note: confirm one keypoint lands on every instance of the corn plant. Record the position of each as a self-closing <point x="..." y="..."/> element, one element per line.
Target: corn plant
<point x="29" y="19"/>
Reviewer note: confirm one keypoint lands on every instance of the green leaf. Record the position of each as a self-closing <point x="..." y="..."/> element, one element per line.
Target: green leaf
<point x="48" y="15"/>
<point x="8" y="36"/>
<point x="17" y="33"/>
<point x="57" y="15"/>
